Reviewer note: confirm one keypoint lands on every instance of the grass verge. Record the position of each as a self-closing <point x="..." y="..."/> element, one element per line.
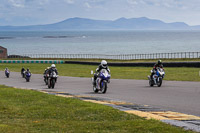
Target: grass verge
<point x="74" y="70"/>
<point x="32" y="111"/>
<point x="109" y="60"/>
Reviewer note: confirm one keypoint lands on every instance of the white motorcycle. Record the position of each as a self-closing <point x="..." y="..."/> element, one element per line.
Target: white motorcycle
<point x="101" y="81"/>
<point x="52" y="80"/>
<point x="157" y="78"/>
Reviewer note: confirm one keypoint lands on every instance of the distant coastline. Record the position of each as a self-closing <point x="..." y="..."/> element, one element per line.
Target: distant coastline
<point x="142" y="23"/>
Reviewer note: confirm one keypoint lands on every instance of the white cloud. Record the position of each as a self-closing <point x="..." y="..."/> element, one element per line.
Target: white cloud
<point x="70" y="1"/>
<point x="132" y="2"/>
<point x="158" y="3"/>
<point x="43" y="2"/>
<point x="87" y="5"/>
<point x="48" y="11"/>
<point x="95" y="1"/>
<point x="17" y="3"/>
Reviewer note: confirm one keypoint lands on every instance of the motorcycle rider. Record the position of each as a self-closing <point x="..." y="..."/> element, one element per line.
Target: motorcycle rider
<point x="46" y="70"/>
<point x="53" y="69"/>
<point x="156" y="66"/>
<point x="46" y="75"/>
<point x="7" y="69"/>
<point x="103" y="65"/>
<point x="22" y="70"/>
<point x="27" y="71"/>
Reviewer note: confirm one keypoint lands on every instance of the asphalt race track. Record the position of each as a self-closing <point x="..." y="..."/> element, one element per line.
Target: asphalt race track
<point x="183" y="97"/>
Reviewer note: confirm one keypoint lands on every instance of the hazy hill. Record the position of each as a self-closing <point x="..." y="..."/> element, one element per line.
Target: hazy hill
<point x="142" y="23"/>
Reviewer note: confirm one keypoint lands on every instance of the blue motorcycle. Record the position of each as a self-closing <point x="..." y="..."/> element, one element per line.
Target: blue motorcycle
<point x="27" y="76"/>
<point x="101" y="81"/>
<point x="7" y="73"/>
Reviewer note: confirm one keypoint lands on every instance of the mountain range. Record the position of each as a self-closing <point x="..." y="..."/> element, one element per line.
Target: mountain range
<point x="76" y="23"/>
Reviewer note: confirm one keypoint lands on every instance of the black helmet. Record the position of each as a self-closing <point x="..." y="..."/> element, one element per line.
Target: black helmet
<point x="159" y="62"/>
<point x="27" y="69"/>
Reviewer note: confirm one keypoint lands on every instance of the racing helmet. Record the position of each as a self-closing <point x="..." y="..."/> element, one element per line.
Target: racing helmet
<point x="53" y="66"/>
<point x="159" y="62"/>
<point x="104" y="63"/>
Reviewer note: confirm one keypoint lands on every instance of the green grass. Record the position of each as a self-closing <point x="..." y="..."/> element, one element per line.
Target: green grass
<point x="137" y="60"/>
<point x="23" y="111"/>
<point x="174" y="74"/>
<point x="109" y="60"/>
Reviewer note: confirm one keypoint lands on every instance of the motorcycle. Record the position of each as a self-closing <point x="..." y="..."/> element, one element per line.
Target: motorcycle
<point x="27" y="76"/>
<point x="101" y="81"/>
<point x="157" y="77"/>
<point x="7" y="73"/>
<point x="46" y="76"/>
<point x="23" y="74"/>
<point x="52" y="80"/>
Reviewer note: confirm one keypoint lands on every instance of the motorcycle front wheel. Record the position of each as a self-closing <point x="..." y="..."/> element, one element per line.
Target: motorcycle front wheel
<point x="46" y="81"/>
<point x="49" y="83"/>
<point x="160" y="82"/>
<point x="150" y="83"/>
<point x="27" y="79"/>
<point x="53" y="83"/>
<point x="95" y="89"/>
<point x="104" y="87"/>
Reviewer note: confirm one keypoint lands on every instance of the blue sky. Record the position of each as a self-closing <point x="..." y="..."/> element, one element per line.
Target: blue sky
<point x="32" y="12"/>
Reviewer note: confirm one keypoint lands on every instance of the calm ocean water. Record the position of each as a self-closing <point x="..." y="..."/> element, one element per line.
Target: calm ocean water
<point x="100" y="42"/>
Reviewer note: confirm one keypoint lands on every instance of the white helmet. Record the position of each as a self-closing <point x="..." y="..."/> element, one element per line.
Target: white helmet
<point x="53" y="66"/>
<point x="104" y="63"/>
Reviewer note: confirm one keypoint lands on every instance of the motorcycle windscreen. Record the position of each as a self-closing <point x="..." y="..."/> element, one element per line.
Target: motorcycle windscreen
<point x="104" y="74"/>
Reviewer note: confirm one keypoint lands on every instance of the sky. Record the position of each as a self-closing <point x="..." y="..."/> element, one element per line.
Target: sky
<point x="34" y="12"/>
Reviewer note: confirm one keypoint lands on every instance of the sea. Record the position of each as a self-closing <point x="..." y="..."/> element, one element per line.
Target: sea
<point x="113" y="42"/>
